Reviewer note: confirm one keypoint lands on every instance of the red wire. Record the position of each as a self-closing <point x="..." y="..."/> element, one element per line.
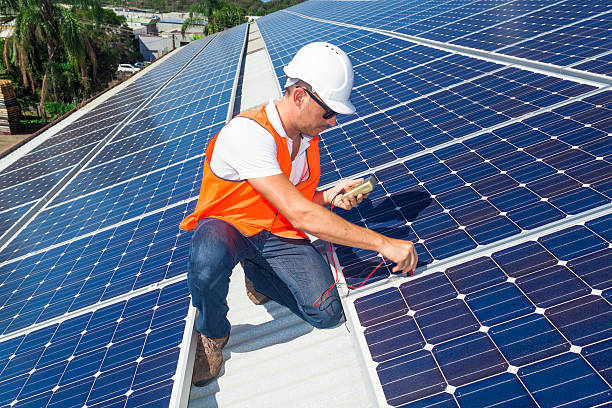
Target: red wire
<point x="337" y="282"/>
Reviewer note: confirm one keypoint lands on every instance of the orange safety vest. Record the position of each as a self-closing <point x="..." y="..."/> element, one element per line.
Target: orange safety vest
<point x="239" y="203"/>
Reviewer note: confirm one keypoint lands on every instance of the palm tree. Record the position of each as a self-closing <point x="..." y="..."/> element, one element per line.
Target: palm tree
<point x="48" y="27"/>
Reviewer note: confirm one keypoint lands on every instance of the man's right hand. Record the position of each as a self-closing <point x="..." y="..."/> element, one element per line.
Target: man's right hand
<point x="402" y="253"/>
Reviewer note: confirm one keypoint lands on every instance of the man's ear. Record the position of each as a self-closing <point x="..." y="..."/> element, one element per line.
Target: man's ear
<point x="298" y="95"/>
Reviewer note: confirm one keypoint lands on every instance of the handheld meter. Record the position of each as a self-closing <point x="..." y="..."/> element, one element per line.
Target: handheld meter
<point x="362" y="188"/>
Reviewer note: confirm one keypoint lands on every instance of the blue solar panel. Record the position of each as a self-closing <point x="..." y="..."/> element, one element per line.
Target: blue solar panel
<point x="122" y="185"/>
<point x="28" y="191"/>
<point x="568" y="45"/>
<point x="111" y="234"/>
<point x="96" y="268"/>
<point x="401" y="122"/>
<point x="497" y="322"/>
<point x="126" y="351"/>
<point x="31" y="177"/>
<point x="43" y="167"/>
<point x="566" y="33"/>
<point x="485" y="189"/>
<point x="10" y="217"/>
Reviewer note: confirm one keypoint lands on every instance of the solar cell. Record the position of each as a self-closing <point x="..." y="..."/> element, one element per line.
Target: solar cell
<point x="565" y="379"/>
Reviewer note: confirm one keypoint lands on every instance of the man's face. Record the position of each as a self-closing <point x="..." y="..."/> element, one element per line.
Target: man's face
<point x="313" y="121"/>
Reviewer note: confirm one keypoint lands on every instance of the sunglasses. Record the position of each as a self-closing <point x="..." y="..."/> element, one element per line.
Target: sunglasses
<point x="328" y="112"/>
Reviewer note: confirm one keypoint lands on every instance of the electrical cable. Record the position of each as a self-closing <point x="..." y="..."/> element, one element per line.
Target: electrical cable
<point x="321" y="299"/>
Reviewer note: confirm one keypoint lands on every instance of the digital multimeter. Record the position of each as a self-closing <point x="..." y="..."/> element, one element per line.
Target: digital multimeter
<point x="362" y="188"/>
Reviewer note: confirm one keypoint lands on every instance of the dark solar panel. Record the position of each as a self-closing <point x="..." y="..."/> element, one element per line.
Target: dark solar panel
<point x="472" y="154"/>
<point x="485" y="189"/>
<point x="111" y="235"/>
<point x="125" y="352"/>
<point x="566" y="33"/>
<point x="496" y="321"/>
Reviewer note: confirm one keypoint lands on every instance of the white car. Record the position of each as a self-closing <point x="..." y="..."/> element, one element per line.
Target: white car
<point x="127" y="68"/>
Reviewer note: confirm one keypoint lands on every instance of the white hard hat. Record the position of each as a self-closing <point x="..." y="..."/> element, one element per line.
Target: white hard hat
<point x="329" y="72"/>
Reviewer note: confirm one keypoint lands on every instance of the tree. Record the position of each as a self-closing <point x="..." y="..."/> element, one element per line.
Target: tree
<point x="218" y="14"/>
<point x="160" y="6"/>
<point x="44" y="30"/>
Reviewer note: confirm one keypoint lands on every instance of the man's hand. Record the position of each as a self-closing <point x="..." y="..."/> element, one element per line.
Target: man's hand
<point x="311" y="217"/>
<point x="349" y="202"/>
<point x="402" y="253"/>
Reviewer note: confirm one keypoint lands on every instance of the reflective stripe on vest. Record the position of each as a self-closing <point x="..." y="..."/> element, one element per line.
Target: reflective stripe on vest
<point x="239" y="203"/>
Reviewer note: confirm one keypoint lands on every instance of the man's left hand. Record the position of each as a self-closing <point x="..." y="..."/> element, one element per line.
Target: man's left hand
<point x="349" y="202"/>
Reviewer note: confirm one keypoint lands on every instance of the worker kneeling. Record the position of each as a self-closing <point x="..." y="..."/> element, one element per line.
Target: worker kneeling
<point x="259" y="197"/>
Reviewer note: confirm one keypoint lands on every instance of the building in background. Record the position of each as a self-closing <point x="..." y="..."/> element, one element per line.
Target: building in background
<point x="158" y="33"/>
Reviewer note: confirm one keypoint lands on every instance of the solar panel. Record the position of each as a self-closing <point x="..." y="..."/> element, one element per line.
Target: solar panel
<point x="93" y="297"/>
<point x="123" y="353"/>
<point x="564" y="33"/>
<point x="56" y="157"/>
<point x="473" y="156"/>
<point x="494" y="328"/>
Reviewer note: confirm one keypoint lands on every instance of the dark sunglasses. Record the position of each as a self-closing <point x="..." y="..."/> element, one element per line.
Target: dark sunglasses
<point x="328" y="112"/>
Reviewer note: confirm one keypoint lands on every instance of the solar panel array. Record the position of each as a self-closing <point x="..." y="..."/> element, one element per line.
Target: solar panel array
<point x="564" y="33"/>
<point x="498" y="168"/>
<point x="93" y="297"/>
<point x="500" y="171"/>
<point x="29" y="178"/>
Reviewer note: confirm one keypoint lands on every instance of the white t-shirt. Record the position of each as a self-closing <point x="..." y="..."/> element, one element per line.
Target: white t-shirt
<point x="245" y="149"/>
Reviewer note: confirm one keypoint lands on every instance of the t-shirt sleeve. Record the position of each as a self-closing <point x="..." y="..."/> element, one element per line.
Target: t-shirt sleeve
<point x="244" y="150"/>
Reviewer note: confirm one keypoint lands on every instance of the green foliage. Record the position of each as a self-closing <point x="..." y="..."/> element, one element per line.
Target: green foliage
<point x="58" y="108"/>
<point x="57" y="54"/>
<point x="225" y="17"/>
<point x="30" y="125"/>
<point x="250" y="7"/>
<point x="219" y="14"/>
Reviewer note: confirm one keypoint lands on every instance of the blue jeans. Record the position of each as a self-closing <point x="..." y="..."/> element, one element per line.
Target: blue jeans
<point x="289" y="271"/>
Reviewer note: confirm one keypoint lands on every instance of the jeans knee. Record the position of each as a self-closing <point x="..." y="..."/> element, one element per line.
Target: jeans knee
<point x="327" y="315"/>
<point x="200" y="275"/>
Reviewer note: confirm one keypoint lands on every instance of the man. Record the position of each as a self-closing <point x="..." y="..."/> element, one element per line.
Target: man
<point x="258" y="197"/>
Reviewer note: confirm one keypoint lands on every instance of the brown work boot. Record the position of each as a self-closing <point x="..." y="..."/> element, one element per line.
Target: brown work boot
<point x="208" y="359"/>
<point x="256" y="297"/>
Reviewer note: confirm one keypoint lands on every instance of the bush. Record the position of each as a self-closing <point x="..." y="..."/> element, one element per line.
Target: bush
<point x="55" y="109"/>
<point x="30" y="125"/>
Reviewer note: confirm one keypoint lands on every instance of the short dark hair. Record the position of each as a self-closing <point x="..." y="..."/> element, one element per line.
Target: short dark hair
<point x="298" y="84"/>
